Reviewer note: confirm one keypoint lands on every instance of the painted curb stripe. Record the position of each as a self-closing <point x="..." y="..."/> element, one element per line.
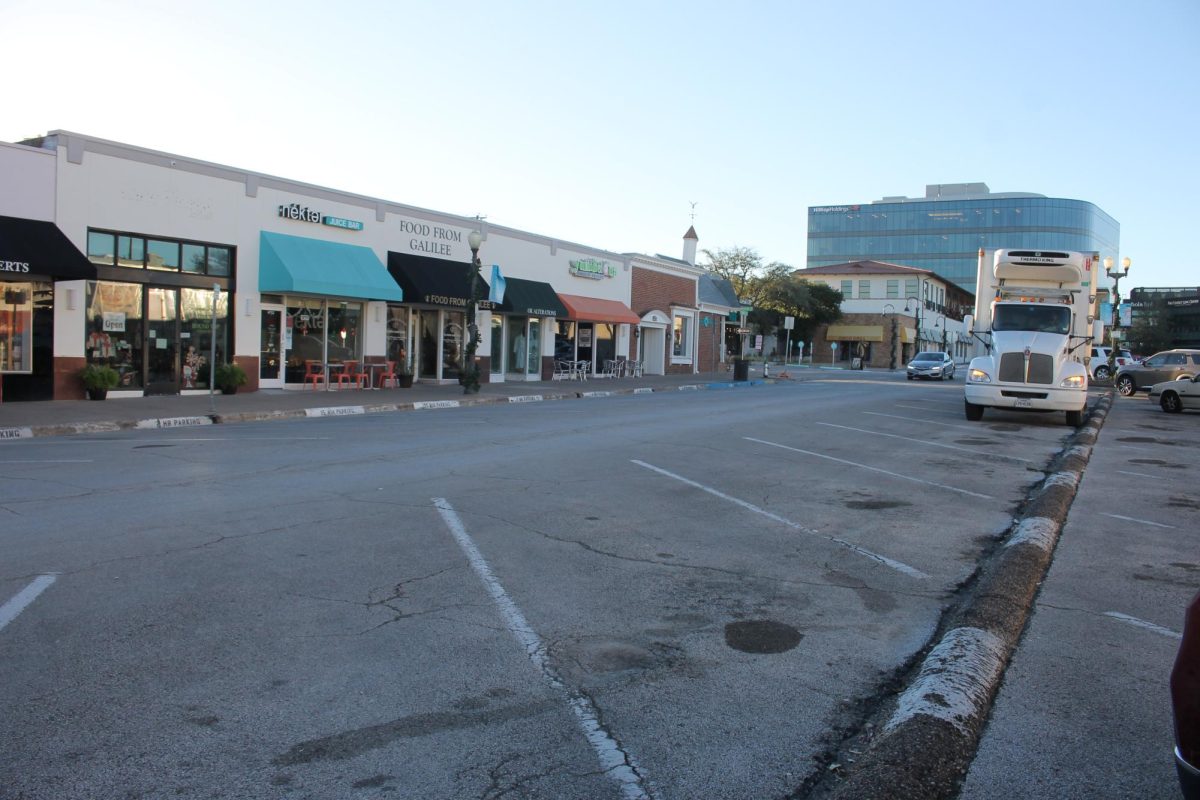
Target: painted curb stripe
<point x="334" y="411"/>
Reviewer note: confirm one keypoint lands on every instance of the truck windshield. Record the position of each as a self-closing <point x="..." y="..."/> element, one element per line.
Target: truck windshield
<point x="1028" y="317"/>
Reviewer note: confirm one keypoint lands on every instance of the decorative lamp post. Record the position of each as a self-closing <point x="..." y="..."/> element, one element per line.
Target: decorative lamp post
<point x="918" y="302"/>
<point x="1114" y="332"/>
<point x="941" y="323"/>
<point x="892" y="314"/>
<point x="469" y="376"/>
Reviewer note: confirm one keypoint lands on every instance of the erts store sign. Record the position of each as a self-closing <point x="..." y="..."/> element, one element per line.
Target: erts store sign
<point x="14" y="266"/>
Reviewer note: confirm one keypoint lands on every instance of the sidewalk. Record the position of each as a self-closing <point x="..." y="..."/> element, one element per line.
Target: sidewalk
<point x="57" y="417"/>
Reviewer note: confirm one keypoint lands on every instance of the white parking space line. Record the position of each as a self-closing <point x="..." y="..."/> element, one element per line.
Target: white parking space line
<point x="926" y="443"/>
<point x="22" y="599"/>
<point x="1138" y="521"/>
<point x="1135" y="474"/>
<point x="613" y="760"/>
<point x="872" y="469"/>
<point x="927" y="421"/>
<point x="1141" y="623"/>
<point x="48" y="461"/>
<point x="899" y="566"/>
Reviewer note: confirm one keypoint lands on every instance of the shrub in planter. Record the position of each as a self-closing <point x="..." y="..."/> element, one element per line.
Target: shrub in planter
<point x="229" y="377"/>
<point x="98" y="379"/>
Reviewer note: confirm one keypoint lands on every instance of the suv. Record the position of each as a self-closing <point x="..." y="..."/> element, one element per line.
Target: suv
<point x="1099" y="365"/>
<point x="1169" y="365"/>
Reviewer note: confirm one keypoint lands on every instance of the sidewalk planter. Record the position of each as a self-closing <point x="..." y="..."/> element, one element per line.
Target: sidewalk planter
<point x="741" y="369"/>
<point x="404" y="380"/>
<point x="230" y="377"/>
<point x="98" y="379"/>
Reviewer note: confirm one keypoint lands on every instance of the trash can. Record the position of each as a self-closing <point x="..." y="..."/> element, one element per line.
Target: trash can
<point x="856" y="363"/>
<point x="741" y="369"/>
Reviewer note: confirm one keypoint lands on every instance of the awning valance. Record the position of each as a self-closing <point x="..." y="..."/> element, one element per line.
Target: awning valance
<point x="436" y="281"/>
<point x="854" y="333"/>
<point x="313" y="266"/>
<point x="535" y="298"/>
<point x="591" y="309"/>
<point x="908" y="335"/>
<point x="30" y="247"/>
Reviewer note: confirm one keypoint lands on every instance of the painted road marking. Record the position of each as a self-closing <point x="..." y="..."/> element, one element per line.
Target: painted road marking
<point x="21" y="600"/>
<point x="613" y="760"/>
<point x="50" y="461"/>
<point x="1141" y="623"/>
<point x="1137" y="474"/>
<point x="972" y="451"/>
<point x="872" y="469"/>
<point x="899" y="566"/>
<point x="1138" y="521"/>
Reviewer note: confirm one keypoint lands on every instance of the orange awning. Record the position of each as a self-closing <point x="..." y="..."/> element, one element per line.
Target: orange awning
<point x="590" y="309"/>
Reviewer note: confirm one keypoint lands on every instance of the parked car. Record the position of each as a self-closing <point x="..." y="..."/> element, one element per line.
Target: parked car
<point x="1185" y="703"/>
<point x="1169" y="365"/>
<point x="1176" y="396"/>
<point x="934" y="365"/>
<point x="1101" y="371"/>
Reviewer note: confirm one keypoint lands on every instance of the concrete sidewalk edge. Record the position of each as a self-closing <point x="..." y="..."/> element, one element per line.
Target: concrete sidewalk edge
<point x="925" y="747"/>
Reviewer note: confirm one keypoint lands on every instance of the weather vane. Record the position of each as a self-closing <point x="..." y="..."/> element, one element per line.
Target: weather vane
<point x="693" y="204"/>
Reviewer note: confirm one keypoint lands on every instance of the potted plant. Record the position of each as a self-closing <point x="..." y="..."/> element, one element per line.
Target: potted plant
<point x="404" y="375"/>
<point x="98" y="379"/>
<point x="229" y="377"/>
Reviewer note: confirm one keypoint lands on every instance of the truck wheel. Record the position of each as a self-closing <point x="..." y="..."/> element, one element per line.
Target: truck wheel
<point x="1126" y="386"/>
<point x="1170" y="403"/>
<point x="974" y="412"/>
<point x="1075" y="418"/>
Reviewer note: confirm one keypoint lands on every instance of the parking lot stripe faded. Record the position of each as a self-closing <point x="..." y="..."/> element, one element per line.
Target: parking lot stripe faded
<point x="1141" y="623"/>
<point x="1138" y="521"/>
<point x="872" y="469"/>
<point x="21" y="600"/>
<point x="613" y="760"/>
<point x="899" y="566"/>
<point x="925" y="442"/>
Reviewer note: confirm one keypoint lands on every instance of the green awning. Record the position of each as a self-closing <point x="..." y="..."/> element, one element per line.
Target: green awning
<point x="535" y="298"/>
<point x="312" y="266"/>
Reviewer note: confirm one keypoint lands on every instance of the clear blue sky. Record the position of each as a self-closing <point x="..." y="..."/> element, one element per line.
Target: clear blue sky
<point x="601" y="122"/>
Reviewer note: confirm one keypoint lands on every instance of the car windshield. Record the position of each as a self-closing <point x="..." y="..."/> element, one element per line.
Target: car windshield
<point x="1026" y="317"/>
<point x="928" y="357"/>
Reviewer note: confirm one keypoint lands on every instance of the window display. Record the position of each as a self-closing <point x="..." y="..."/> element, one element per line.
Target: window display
<point x="16" y="328"/>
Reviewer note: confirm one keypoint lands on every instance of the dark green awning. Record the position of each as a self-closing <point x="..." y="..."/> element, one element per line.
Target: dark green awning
<point x="534" y="298"/>
<point x="314" y="266"/>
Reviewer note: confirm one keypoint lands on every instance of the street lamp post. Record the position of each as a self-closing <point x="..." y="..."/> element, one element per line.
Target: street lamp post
<point x="1113" y="333"/>
<point x="469" y="376"/>
<point x="918" y="301"/>
<point x="892" y="314"/>
<point x="941" y="323"/>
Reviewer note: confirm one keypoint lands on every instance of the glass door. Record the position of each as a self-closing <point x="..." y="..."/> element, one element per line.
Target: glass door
<point x="518" y="348"/>
<point x="270" y="357"/>
<point x="162" y="341"/>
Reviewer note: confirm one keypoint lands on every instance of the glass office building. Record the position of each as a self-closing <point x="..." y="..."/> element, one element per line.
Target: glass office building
<point x="944" y="230"/>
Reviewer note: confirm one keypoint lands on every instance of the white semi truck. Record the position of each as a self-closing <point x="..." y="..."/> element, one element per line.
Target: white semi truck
<point x="1034" y="314"/>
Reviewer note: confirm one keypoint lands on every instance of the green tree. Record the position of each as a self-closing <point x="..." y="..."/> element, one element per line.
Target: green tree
<point x="812" y="304"/>
<point x="744" y="267"/>
<point x="1151" y="330"/>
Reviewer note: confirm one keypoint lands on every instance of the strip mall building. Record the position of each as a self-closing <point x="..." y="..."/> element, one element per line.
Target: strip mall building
<point x="125" y="256"/>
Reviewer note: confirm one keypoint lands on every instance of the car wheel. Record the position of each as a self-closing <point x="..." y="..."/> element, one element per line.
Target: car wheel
<point x="1075" y="418"/>
<point x="909" y="377"/>
<point x="1103" y="373"/>
<point x="1170" y="403"/>
<point x="974" y="412"/>
<point x="1126" y="386"/>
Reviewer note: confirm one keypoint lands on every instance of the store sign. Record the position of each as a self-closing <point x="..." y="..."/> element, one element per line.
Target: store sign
<point x="14" y="266"/>
<point x="833" y="209"/>
<point x="306" y="214"/>
<point x="593" y="268"/>
<point x="428" y="238"/>
<point x="114" y="321"/>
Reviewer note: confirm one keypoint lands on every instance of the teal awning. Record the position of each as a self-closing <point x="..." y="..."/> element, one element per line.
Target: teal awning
<point x="312" y="266"/>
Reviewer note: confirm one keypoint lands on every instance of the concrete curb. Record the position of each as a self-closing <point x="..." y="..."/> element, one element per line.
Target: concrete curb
<point x="68" y="428"/>
<point x="927" y="744"/>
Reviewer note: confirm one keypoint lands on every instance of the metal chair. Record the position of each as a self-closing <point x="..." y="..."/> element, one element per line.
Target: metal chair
<point x="562" y="371"/>
<point x="352" y="373"/>
<point x="314" y="371"/>
<point x="389" y="375"/>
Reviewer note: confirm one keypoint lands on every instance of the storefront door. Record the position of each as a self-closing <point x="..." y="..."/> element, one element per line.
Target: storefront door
<point x="162" y="341"/>
<point x="270" y="357"/>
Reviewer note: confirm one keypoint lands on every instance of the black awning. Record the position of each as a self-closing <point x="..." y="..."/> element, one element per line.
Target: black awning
<point x="535" y="298"/>
<point x="31" y="247"/>
<point x="435" y="281"/>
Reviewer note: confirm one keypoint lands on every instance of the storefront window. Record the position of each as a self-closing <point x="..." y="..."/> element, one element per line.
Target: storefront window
<point x="681" y="339"/>
<point x="16" y="328"/>
<point x="163" y="255"/>
<point x="115" y="332"/>
<point x="193" y="258"/>
<point x="344" y="332"/>
<point x="397" y="336"/>
<point x="606" y="343"/>
<point x="453" y="341"/>
<point x="564" y="340"/>
<point x="497" y="363"/>
<point x="195" y="334"/>
<point x="535" y="346"/>
<point x="304" y="335"/>
<point x="518" y="346"/>
<point x="100" y="247"/>
<point x="219" y="259"/>
<point x="168" y="255"/>
<point x="131" y="251"/>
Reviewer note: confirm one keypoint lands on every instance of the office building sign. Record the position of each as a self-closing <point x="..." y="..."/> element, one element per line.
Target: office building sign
<point x="593" y="269"/>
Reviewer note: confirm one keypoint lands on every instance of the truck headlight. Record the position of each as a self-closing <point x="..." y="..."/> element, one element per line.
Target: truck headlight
<point x="1073" y="382"/>
<point x="976" y="375"/>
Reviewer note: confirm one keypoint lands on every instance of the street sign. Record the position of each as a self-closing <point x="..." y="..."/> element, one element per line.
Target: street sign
<point x="833" y="345"/>
<point x="789" y="323"/>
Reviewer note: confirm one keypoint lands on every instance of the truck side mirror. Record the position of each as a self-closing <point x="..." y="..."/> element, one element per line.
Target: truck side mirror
<point x="969" y="323"/>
